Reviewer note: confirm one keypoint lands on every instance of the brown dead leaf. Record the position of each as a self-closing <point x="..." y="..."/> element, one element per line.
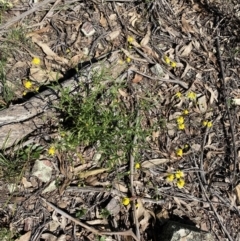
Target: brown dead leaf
<point x="186" y="27"/>
<point x="214" y="94"/>
<point x="143" y="214"/>
<point x="202" y="104"/>
<point x="188" y="67"/>
<point x="41" y="76"/>
<point x="103" y="21"/>
<point x="76" y="59"/>
<point x="137" y="78"/>
<point x="19" y="64"/>
<point x="154" y="162"/>
<point x="41" y="30"/>
<point x="128" y="54"/>
<point x="25" y="237"/>
<point x="120" y="186"/>
<point x="47" y="50"/>
<point x="48" y="237"/>
<point x="92" y="172"/>
<point x="185" y="50"/>
<point x="113" y="35"/>
<point x="25" y="183"/>
<point x="146" y="38"/>
<point x="237" y="189"/>
<point x="122" y="93"/>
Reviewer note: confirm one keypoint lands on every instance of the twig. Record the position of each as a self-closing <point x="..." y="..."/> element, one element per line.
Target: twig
<point x="209" y="201"/>
<point x="131" y="177"/>
<point x="183" y="84"/>
<point x="228" y="112"/>
<point x="91" y="229"/>
<point x="202" y="173"/>
<point x="25" y="14"/>
<point x="49" y="12"/>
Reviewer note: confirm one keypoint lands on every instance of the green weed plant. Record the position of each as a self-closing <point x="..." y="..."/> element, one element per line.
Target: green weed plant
<point x="97" y="116"/>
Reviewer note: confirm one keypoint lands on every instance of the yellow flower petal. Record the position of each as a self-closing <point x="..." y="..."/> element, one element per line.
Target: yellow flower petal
<point x="179" y="174"/>
<point x="27" y="84"/>
<point x="128" y="60"/>
<point x="170" y="177"/>
<point x="181" y="126"/>
<point x="178" y="94"/>
<point x="173" y="64"/>
<point x="137" y="165"/>
<point x="125" y="201"/>
<point x="185" y="112"/>
<point x="180" y="120"/>
<point x="167" y="60"/>
<point x="51" y="150"/>
<point x="179" y="152"/>
<point x="36" y="61"/>
<point x="130" y="39"/>
<point x="180" y="183"/>
<point x="191" y="95"/>
<point x="204" y="123"/>
<point x="209" y="124"/>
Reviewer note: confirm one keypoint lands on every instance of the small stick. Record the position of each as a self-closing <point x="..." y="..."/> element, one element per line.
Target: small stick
<point x="91" y="229"/>
<point x="25" y="14"/>
<point x="183" y="84"/>
<point x="228" y="113"/>
<point x="131" y="179"/>
<point x="213" y="208"/>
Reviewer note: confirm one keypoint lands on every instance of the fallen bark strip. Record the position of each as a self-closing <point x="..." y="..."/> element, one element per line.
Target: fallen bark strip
<point x="20" y="120"/>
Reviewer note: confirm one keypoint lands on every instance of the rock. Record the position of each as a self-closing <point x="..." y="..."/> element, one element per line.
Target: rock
<point x="157" y="70"/>
<point x="42" y="170"/>
<point x="175" y="231"/>
<point x="87" y="29"/>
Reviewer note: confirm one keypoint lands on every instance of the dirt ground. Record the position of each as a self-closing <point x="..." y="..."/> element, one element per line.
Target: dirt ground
<point x="180" y="55"/>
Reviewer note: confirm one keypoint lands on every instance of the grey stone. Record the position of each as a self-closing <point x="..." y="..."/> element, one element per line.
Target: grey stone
<point x="175" y="231"/>
<point x="157" y="70"/>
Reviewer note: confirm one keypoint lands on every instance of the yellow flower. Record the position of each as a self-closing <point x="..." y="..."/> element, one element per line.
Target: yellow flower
<point x="170" y="177"/>
<point x="180" y="120"/>
<point x="130" y="39"/>
<point x="179" y="174"/>
<point x="121" y="62"/>
<point x="209" y="124"/>
<point x="137" y="165"/>
<point x="51" y="150"/>
<point x="37" y="89"/>
<point x="173" y="64"/>
<point x="178" y="94"/>
<point x="125" y="201"/>
<point x="191" y="95"/>
<point x="181" y="126"/>
<point x="36" y="61"/>
<point x="24" y="93"/>
<point x="180" y="183"/>
<point x="179" y="152"/>
<point x="27" y="84"/>
<point x="204" y="123"/>
<point x="167" y="59"/>
<point x="128" y="60"/>
<point x="68" y="51"/>
<point x="186" y="148"/>
<point x="185" y="112"/>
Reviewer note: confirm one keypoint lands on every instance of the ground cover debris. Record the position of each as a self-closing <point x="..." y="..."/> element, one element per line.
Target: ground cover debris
<point x="145" y="131"/>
